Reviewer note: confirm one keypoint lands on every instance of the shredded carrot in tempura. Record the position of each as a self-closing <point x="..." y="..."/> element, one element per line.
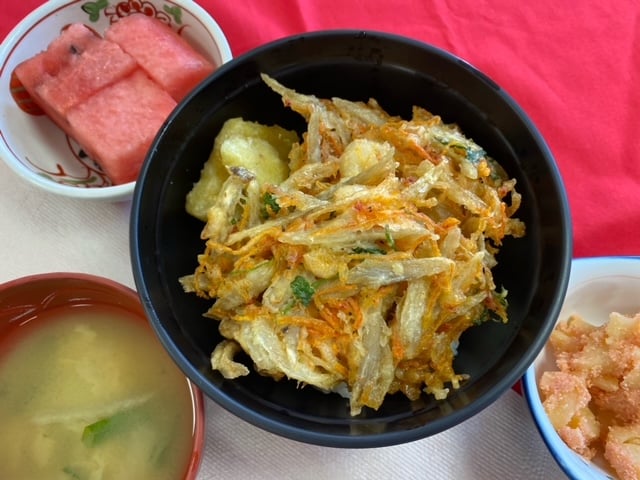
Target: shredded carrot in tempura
<point x="361" y="269"/>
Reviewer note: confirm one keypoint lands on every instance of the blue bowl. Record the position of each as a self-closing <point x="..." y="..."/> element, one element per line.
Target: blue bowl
<point x="597" y="287"/>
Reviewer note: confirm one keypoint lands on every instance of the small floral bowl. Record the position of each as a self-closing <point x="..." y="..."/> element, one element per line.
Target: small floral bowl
<point x="30" y="143"/>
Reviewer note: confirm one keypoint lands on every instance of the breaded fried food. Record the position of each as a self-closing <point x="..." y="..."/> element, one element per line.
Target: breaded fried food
<point x="359" y="271"/>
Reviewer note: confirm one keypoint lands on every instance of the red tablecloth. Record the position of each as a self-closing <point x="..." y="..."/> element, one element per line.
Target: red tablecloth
<point x="573" y="66"/>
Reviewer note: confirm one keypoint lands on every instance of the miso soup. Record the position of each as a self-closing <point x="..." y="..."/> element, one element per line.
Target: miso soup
<point x="88" y="393"/>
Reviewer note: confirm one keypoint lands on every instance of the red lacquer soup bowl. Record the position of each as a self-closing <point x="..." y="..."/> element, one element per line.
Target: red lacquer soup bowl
<point x="87" y="389"/>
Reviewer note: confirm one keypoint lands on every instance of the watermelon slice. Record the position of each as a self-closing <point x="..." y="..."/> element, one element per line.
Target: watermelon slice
<point x="63" y="52"/>
<point x="111" y="94"/>
<point x="99" y="65"/>
<point x="162" y="53"/>
<point x="24" y="79"/>
<point x="117" y="125"/>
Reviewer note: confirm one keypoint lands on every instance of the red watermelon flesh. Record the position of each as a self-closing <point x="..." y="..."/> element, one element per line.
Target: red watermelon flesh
<point x="103" y="97"/>
<point x="117" y="125"/>
<point x="100" y="65"/>
<point x="161" y="52"/>
<point x="30" y="75"/>
<point x="25" y="77"/>
<point x="63" y="52"/>
<point x="68" y="46"/>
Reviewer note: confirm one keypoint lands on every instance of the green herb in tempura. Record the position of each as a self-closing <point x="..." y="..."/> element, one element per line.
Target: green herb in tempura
<point x="270" y="205"/>
<point x="302" y="290"/>
<point x="390" y="241"/>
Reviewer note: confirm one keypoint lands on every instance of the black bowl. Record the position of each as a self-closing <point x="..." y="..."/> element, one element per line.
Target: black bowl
<point x="399" y="73"/>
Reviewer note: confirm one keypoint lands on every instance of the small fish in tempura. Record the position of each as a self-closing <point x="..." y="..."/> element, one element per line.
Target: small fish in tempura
<point x="360" y="271"/>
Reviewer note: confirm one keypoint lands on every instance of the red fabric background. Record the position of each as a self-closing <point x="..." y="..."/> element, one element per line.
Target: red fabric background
<point x="573" y="66"/>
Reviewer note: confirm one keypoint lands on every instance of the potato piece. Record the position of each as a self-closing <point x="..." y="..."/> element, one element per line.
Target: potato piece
<point x="204" y="192"/>
<point x="571" y="335"/>
<point x="622" y="403"/>
<point x="564" y="395"/>
<point x="582" y="434"/>
<point x="623" y="329"/>
<point x="256" y="155"/>
<point x="566" y="401"/>
<point x="259" y="148"/>
<point x="602" y="362"/>
<point x="622" y="450"/>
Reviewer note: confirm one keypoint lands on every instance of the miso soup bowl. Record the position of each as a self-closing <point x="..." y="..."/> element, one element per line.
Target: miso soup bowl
<point x="32" y="145"/>
<point x="29" y="300"/>
<point x="398" y="72"/>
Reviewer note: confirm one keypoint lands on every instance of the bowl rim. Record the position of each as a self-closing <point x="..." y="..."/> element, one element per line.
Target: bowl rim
<point x="583" y="269"/>
<point x="385" y="438"/>
<point x="197" y="397"/>
<point x="20" y="30"/>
